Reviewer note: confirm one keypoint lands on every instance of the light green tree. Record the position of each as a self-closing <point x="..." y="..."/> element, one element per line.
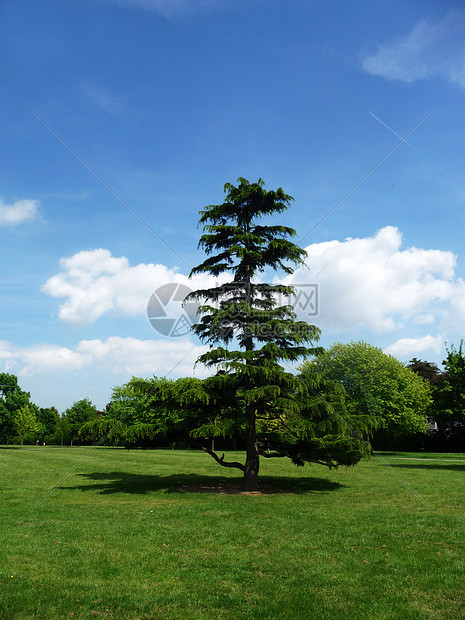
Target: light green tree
<point x="24" y="422"/>
<point x="381" y="393"/>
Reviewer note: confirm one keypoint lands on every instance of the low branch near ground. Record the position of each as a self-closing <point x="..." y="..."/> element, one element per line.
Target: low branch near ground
<point x="296" y="458"/>
<point x="221" y="461"/>
<point x="272" y="455"/>
<point x="304" y="452"/>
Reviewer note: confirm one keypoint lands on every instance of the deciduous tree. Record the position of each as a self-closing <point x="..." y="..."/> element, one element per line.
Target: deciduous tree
<point x="24" y="422"/>
<point x="449" y="398"/>
<point x="381" y="392"/>
<point x="12" y="398"/>
<point x="48" y="417"/>
<point x="80" y="412"/>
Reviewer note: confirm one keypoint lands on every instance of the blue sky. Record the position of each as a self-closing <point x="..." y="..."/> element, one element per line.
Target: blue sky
<point x="166" y="100"/>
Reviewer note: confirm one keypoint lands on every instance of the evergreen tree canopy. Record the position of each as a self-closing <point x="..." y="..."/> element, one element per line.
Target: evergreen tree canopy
<point x="427" y="370"/>
<point x="251" y="390"/>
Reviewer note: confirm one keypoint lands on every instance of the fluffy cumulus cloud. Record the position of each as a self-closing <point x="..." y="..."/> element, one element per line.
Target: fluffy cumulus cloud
<point x="49" y="358"/>
<point x="18" y="212"/>
<point x="115" y="355"/>
<point x="454" y="316"/>
<point x="408" y="347"/>
<point x="373" y="283"/>
<point x="94" y="282"/>
<point x="430" y="49"/>
<point x="131" y="356"/>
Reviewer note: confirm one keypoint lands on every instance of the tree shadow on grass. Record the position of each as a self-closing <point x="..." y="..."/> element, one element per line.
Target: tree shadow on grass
<point x="430" y="465"/>
<point x="123" y="482"/>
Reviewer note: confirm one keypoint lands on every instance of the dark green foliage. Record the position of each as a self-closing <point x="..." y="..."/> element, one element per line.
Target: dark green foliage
<point x="242" y="308"/>
<point x="305" y="428"/>
<point x="12" y="398"/>
<point x="330" y="450"/>
<point x="48" y="418"/>
<point x="426" y="370"/>
<point x="77" y="415"/>
<point x="62" y="431"/>
<point x="449" y="399"/>
<point x="252" y="393"/>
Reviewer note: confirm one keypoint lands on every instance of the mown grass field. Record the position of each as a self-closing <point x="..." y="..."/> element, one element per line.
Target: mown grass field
<point x="117" y="538"/>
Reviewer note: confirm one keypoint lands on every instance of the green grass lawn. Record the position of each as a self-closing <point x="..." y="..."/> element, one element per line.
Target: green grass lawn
<point x="116" y="538"/>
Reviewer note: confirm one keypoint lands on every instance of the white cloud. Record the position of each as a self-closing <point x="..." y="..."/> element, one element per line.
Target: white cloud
<point x="18" y="212"/>
<point x="5" y="350"/>
<point x="143" y="357"/>
<point x="61" y="375"/>
<point x="49" y="358"/>
<point x="454" y="317"/>
<point x="408" y="347"/>
<point x="369" y="283"/>
<point x="430" y="49"/>
<point x="115" y="356"/>
<point x="374" y="284"/>
<point x="7" y="356"/>
<point x="94" y="282"/>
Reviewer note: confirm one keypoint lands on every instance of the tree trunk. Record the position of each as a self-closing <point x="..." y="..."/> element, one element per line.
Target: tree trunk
<point x="369" y="447"/>
<point x="252" y="462"/>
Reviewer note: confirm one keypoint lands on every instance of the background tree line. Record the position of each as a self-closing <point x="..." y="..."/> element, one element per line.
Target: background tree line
<point x="354" y="386"/>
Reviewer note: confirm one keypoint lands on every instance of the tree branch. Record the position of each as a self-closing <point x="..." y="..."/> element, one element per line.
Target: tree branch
<point x="272" y="455"/>
<point x="278" y="455"/>
<point x="221" y="460"/>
